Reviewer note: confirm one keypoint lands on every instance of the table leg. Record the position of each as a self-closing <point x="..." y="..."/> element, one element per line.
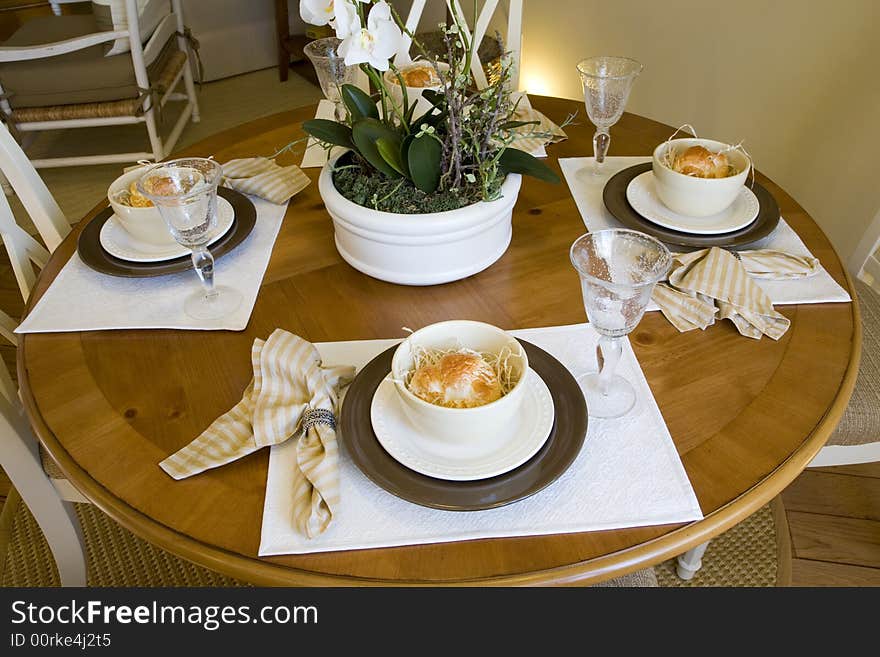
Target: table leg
<point x="282" y="28"/>
<point x="691" y="561"/>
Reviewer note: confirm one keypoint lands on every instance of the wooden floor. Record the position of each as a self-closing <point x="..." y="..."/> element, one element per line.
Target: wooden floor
<point x="834" y="521"/>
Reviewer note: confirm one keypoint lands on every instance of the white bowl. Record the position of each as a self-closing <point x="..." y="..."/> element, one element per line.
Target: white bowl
<point x="460" y="424"/>
<point x="698" y="197"/>
<point x="144" y="224"/>
<point x="413" y="94"/>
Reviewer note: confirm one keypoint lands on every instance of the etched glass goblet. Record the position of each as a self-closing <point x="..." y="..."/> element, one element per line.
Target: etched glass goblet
<point x="618" y="269"/>
<point x="331" y="70"/>
<point x="607" y="82"/>
<point x="184" y="191"/>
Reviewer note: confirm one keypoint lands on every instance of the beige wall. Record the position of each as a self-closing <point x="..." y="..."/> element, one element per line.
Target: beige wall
<point x="797" y="80"/>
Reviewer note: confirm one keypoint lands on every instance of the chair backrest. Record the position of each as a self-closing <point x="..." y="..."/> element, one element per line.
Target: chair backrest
<point x="865" y="260"/>
<point x="513" y="38"/>
<point x="41" y="207"/>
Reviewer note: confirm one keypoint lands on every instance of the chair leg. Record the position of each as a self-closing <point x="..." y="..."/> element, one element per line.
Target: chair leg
<point x="57" y="519"/>
<point x="153" y="132"/>
<point x="282" y="29"/>
<point x="191" y="91"/>
<point x="691" y="561"/>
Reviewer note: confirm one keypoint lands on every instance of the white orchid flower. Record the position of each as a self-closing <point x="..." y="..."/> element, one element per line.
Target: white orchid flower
<point x="346" y="21"/>
<point x="375" y="44"/>
<point x="316" y="12"/>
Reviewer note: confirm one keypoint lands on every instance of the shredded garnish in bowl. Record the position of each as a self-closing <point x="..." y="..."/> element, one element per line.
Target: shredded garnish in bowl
<point x="507" y="364"/>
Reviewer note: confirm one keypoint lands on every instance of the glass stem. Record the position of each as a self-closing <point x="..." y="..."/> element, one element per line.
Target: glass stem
<point x="608" y="352"/>
<point x="203" y="261"/>
<point x="601" y="142"/>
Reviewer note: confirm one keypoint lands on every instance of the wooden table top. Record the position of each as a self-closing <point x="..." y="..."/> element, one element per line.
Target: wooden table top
<point x="746" y="416"/>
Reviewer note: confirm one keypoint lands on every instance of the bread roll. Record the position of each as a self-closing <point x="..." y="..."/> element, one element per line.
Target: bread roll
<point x="421" y="76"/>
<point x="459" y="380"/>
<point x="136" y="199"/>
<point x="700" y="162"/>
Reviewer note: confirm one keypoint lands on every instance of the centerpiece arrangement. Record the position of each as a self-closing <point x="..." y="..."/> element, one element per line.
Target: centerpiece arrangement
<point x="423" y="192"/>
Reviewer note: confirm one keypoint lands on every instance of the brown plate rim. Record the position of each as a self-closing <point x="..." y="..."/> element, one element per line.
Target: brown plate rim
<point x="614" y="198"/>
<point x="94" y="255"/>
<point x="556" y="455"/>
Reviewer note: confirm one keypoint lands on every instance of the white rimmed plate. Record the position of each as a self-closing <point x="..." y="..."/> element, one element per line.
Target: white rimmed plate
<point x="642" y="196"/>
<point x="120" y="243"/>
<point x="466" y="461"/>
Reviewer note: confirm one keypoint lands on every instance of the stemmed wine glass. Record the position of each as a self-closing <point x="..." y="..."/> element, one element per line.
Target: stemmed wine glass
<point x="185" y="193"/>
<point x="607" y="82"/>
<point x="618" y="269"/>
<point x="331" y="70"/>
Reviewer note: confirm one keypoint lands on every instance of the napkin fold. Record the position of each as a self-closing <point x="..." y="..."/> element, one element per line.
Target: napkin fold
<point x="291" y="395"/>
<point x="262" y="177"/>
<point x="714" y="281"/>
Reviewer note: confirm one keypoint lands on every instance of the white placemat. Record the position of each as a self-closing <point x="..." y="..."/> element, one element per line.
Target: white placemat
<point x="587" y="192"/>
<point x="628" y="474"/>
<point x="81" y="299"/>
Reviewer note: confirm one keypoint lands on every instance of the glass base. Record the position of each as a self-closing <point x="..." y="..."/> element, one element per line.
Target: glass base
<point x="619" y="400"/>
<point x="223" y="302"/>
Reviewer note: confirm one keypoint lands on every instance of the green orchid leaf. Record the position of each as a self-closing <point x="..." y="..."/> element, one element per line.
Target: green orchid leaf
<point x="366" y="133"/>
<point x="514" y="160"/>
<point x="424" y="156"/>
<point x="329" y="132"/>
<point x="404" y="154"/>
<point x="436" y="98"/>
<point x="390" y="152"/>
<point x="359" y="104"/>
<point x="407" y="118"/>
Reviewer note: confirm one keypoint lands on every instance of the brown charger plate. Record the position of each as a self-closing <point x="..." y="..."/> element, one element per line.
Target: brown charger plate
<point x="558" y="452"/>
<point x="95" y="256"/>
<point x="614" y="196"/>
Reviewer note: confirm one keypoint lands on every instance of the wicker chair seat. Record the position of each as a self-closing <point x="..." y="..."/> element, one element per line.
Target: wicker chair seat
<point x="84" y="76"/>
<point x="126" y="107"/>
<point x="860" y="424"/>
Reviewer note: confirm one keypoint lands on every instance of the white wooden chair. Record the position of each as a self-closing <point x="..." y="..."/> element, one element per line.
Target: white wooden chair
<point x="157" y="73"/>
<point x="857" y="437"/>
<point x="20" y="456"/>
<point x="47" y="217"/>
<point x="513" y="38"/>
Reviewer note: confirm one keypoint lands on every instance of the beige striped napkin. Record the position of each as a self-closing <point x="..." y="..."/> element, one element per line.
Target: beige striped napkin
<point x="291" y="395"/>
<point x="531" y="138"/>
<point x="715" y="281"/>
<point x="262" y="177"/>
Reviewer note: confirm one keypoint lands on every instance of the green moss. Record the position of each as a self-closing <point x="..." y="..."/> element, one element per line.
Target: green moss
<point x="373" y="190"/>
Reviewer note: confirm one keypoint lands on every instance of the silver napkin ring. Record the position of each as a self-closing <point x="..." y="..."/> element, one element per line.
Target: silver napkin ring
<point x="313" y="416"/>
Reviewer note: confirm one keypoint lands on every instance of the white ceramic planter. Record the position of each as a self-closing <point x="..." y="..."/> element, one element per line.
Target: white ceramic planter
<point x="420" y="249"/>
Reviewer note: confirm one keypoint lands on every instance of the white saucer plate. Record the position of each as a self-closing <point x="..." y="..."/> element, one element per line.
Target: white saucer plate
<point x="466" y="461"/>
<point x="121" y="244"/>
<point x="642" y="196"/>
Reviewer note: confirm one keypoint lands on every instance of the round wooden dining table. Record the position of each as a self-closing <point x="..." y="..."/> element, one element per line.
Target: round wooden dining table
<point x="746" y="416"/>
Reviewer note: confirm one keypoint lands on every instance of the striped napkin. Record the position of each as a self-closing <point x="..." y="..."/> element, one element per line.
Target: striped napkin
<point x="291" y="395"/>
<point x="533" y="138"/>
<point x="715" y="281"/>
<point x="262" y="177"/>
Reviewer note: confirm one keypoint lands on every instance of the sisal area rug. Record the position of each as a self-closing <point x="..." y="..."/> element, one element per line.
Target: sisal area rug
<point x="752" y="554"/>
